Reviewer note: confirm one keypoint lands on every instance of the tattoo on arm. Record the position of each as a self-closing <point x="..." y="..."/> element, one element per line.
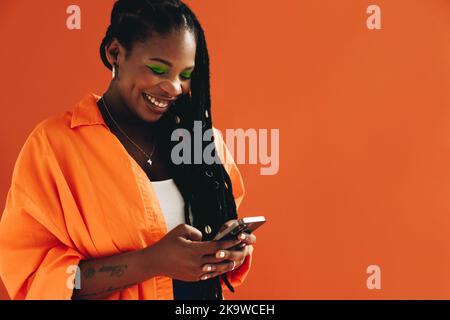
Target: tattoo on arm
<point x="109" y="290"/>
<point x="89" y="273"/>
<point x="116" y="271"/>
<point x="85" y="296"/>
<point x="113" y="270"/>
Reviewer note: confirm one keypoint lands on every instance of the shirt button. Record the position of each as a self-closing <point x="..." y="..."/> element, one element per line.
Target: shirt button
<point x="208" y="229"/>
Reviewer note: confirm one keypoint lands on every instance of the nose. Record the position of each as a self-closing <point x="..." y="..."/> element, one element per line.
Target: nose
<point x="172" y="88"/>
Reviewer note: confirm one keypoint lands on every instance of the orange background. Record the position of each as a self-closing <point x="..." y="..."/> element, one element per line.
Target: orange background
<point x="364" y="119"/>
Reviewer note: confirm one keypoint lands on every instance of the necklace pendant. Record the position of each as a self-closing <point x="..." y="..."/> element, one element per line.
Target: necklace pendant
<point x="150" y="161"/>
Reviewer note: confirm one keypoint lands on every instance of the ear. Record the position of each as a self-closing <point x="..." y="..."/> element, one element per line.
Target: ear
<point x="114" y="52"/>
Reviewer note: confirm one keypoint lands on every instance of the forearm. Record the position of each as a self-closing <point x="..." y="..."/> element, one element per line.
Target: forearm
<point x="103" y="276"/>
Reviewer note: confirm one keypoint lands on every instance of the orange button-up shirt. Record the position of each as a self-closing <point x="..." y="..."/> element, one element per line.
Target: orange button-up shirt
<point x="77" y="194"/>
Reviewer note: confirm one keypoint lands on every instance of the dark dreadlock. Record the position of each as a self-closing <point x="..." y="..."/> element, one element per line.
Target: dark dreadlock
<point x="206" y="188"/>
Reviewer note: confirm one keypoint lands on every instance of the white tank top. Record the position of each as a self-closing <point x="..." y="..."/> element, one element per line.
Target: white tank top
<point x="171" y="202"/>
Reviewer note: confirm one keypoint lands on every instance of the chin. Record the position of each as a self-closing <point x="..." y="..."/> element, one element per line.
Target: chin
<point x="151" y="118"/>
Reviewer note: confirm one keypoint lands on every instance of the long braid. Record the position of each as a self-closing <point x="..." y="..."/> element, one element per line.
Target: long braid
<point x="206" y="188"/>
<point x="224" y="197"/>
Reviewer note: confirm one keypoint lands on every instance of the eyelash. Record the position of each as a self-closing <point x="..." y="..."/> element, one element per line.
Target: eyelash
<point x="163" y="72"/>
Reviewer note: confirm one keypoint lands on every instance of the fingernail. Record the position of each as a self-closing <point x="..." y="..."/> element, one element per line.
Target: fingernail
<point x="207" y="268"/>
<point x="204" y="277"/>
<point x="243" y="236"/>
<point x="220" y="254"/>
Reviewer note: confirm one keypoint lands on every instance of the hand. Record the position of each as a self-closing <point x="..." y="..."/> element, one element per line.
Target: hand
<point x="180" y="254"/>
<point x="227" y="260"/>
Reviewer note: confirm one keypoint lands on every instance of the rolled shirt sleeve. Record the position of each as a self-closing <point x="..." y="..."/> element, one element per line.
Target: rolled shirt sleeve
<point x="37" y="258"/>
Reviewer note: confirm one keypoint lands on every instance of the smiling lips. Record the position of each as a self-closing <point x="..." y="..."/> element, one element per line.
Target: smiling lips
<point x="157" y="103"/>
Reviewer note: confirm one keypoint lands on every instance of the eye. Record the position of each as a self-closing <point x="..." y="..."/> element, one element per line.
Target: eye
<point x="157" y="70"/>
<point x="186" y="75"/>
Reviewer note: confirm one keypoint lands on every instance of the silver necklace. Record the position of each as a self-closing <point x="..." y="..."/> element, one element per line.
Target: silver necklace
<point x="149" y="157"/>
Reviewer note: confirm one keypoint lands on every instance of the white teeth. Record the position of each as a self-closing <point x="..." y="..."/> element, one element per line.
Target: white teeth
<point x="158" y="103"/>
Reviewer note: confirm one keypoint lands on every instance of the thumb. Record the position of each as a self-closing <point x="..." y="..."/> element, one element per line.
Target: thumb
<point x="190" y="233"/>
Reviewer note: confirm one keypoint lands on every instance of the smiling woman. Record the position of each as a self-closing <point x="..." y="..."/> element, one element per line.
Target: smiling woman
<point x="85" y="183"/>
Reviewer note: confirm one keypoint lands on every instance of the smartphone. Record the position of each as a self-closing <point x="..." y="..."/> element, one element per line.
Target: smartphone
<point x="248" y="225"/>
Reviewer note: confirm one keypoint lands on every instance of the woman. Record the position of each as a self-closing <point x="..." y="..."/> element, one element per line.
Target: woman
<point x="96" y="189"/>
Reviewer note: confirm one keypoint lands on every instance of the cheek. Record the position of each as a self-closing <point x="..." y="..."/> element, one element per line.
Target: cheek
<point x="139" y="77"/>
<point x="187" y="87"/>
<point x="146" y="81"/>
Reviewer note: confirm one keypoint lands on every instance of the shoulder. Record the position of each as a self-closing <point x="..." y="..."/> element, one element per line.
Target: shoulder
<point x="44" y="150"/>
<point x="50" y="129"/>
<point x="58" y="123"/>
<point x="61" y="127"/>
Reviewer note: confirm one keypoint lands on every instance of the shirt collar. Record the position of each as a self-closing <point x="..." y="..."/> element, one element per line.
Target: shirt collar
<point x="86" y="112"/>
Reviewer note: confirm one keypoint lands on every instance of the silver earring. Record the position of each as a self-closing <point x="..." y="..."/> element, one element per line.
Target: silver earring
<point x="113" y="71"/>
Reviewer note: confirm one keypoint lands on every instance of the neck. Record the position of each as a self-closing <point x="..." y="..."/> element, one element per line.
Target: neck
<point x="124" y="115"/>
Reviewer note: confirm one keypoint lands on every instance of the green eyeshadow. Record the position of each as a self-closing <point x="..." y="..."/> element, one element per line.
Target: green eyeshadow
<point x="157" y="69"/>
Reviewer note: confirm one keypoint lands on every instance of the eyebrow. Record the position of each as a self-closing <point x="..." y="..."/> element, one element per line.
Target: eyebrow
<point x="168" y="62"/>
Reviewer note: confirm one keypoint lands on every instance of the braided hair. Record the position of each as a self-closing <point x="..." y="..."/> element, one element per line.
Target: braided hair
<point x="206" y="188"/>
